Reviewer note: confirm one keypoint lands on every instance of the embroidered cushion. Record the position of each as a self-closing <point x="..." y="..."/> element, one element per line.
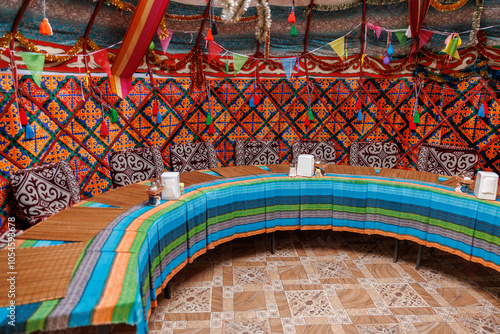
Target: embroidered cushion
<point x="44" y="191"/>
<point x="191" y="157"/>
<point x="256" y="153"/>
<point x="134" y="166"/>
<point x="446" y="160"/>
<point x="320" y="150"/>
<point x="377" y="155"/>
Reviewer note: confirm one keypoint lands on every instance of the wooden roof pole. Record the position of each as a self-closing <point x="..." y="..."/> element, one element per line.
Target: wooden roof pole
<point x="202" y="26"/>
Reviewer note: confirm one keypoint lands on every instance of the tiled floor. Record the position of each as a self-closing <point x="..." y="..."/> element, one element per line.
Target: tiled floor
<point x="324" y="282"/>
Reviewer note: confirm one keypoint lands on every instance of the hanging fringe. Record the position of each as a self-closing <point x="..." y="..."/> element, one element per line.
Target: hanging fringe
<point x="22" y="116"/>
<point x="104" y="129"/>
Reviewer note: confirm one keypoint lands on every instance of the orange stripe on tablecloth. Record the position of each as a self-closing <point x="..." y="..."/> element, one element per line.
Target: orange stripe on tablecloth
<point x="103" y="312"/>
<point x="126" y="241"/>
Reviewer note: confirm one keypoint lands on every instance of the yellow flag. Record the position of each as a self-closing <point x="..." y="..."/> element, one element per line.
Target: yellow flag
<point x="452" y="43"/>
<point x="338" y="46"/>
<point x="362" y="59"/>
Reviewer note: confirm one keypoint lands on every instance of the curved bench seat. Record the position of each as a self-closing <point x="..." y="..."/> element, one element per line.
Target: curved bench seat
<point x="128" y="264"/>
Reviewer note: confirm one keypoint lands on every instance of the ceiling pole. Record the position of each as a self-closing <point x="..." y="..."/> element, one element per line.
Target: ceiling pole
<point x="306" y="37"/>
<point x="202" y="26"/>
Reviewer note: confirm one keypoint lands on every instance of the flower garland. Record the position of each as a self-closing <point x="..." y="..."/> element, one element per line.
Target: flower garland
<point x="448" y="7"/>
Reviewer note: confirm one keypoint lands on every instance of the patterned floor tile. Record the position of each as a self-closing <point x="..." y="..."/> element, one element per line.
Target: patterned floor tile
<point x="246" y="327"/>
<point x="480" y="324"/>
<point x="190" y="300"/>
<point x="308" y="303"/>
<point x="331" y="269"/>
<point x="251" y="275"/>
<point x="380" y="329"/>
<point x="400" y="295"/>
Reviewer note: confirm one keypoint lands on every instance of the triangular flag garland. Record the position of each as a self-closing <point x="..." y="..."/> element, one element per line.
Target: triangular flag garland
<point x="165" y="41"/>
<point x="288" y="65"/>
<point x="34" y="62"/>
<point x="452" y="43"/>
<point x="401" y="38"/>
<point x="28" y="132"/>
<point x="338" y="46"/>
<point x="238" y="62"/>
<point x="376" y="29"/>
<point x="101" y="58"/>
<point x="214" y="50"/>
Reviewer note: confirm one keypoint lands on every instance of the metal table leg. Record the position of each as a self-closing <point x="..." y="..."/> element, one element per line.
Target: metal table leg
<point x="273" y="242"/>
<point x="168" y="291"/>
<point x="396" y="251"/>
<point x="419" y="256"/>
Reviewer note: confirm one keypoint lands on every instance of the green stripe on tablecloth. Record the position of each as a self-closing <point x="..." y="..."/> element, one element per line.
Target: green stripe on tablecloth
<point x="128" y="292"/>
<point x="138" y="242"/>
<point x="236" y="214"/>
<point x="487" y="237"/>
<point x="173" y="245"/>
<point x="281" y="208"/>
<point x="195" y="230"/>
<point x="316" y="207"/>
<point x="37" y="320"/>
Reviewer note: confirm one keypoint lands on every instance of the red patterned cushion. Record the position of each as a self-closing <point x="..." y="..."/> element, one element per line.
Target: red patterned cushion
<point x="190" y="157"/>
<point x="256" y="153"/>
<point x="134" y="166"/>
<point x="44" y="191"/>
<point x="377" y="155"/>
<point x="320" y="149"/>
<point x="446" y="160"/>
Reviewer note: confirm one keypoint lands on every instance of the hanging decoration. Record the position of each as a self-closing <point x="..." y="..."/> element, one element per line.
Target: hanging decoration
<point x="310" y="115"/>
<point x="288" y="65"/>
<point x="209" y="37"/>
<point x="291" y="19"/>
<point x="389" y="51"/>
<point x="483" y="106"/>
<point x="359" y="107"/>
<point x="23" y="118"/>
<point x="214" y="29"/>
<point x="338" y="46"/>
<point x="376" y="29"/>
<point x="159" y="118"/>
<point x="238" y="62"/>
<point x="452" y="43"/>
<point x="210" y="123"/>
<point x="101" y="59"/>
<point x="114" y="115"/>
<point x="34" y="62"/>
<point x="416" y="114"/>
<point x="214" y="50"/>
<point x="45" y="27"/>
<point x="227" y="66"/>
<point x="424" y="37"/>
<point x="166" y="40"/>
<point x="28" y="132"/>
<point x="104" y="132"/>
<point x="401" y="38"/>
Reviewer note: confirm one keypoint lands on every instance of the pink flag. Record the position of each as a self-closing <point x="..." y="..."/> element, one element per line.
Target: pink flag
<point x="166" y="41"/>
<point x="213" y="50"/>
<point x="375" y="28"/>
<point x="101" y="58"/>
<point x="424" y="37"/>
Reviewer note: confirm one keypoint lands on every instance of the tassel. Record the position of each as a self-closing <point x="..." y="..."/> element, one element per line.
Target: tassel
<point x="114" y="115"/>
<point x="151" y="46"/>
<point x="416" y="118"/>
<point x="104" y="129"/>
<point x="291" y="17"/>
<point x="29" y="134"/>
<point x="293" y="31"/>
<point x="413" y="126"/>
<point x="252" y="102"/>
<point x="155" y="108"/>
<point x="159" y="118"/>
<point x="210" y="37"/>
<point x="209" y="119"/>
<point x="307" y="122"/>
<point x="358" y="103"/>
<point x="482" y="108"/>
<point x="360" y="115"/>
<point x="227" y="66"/>
<point x="45" y="28"/>
<point x="214" y="29"/>
<point x="22" y="116"/>
<point x="256" y="100"/>
<point x="310" y="116"/>
<point x="211" y="129"/>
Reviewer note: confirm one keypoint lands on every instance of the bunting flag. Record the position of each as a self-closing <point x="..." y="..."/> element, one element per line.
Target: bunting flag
<point x="101" y="58"/>
<point x="238" y="62"/>
<point x="401" y="38"/>
<point x="338" y="46"/>
<point x="34" y="62"/>
<point x="424" y="37"/>
<point x="136" y="42"/>
<point x="165" y="41"/>
<point x="376" y="29"/>
<point x="288" y="65"/>
<point x="452" y="43"/>
<point x="214" y="50"/>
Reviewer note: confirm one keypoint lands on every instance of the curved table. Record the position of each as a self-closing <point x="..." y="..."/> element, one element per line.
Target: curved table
<point x="127" y="264"/>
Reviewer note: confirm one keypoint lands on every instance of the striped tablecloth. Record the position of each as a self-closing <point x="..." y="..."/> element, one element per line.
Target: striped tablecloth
<point x="127" y="264"/>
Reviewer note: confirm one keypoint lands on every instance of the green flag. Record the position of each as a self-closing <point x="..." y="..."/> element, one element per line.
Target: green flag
<point x="401" y="37"/>
<point x="34" y="62"/>
<point x="238" y="62"/>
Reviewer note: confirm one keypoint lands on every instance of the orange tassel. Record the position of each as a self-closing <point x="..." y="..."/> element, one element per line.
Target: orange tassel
<point x="210" y="37"/>
<point x="45" y="28"/>
<point x="291" y="17"/>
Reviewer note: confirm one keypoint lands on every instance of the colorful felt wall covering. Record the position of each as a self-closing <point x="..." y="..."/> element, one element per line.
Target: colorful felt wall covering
<point x="67" y="128"/>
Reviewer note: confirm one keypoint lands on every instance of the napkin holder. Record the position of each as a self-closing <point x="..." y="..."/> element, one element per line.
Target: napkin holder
<point x="305" y="165"/>
<point x="171" y="188"/>
<point x="486" y="185"/>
